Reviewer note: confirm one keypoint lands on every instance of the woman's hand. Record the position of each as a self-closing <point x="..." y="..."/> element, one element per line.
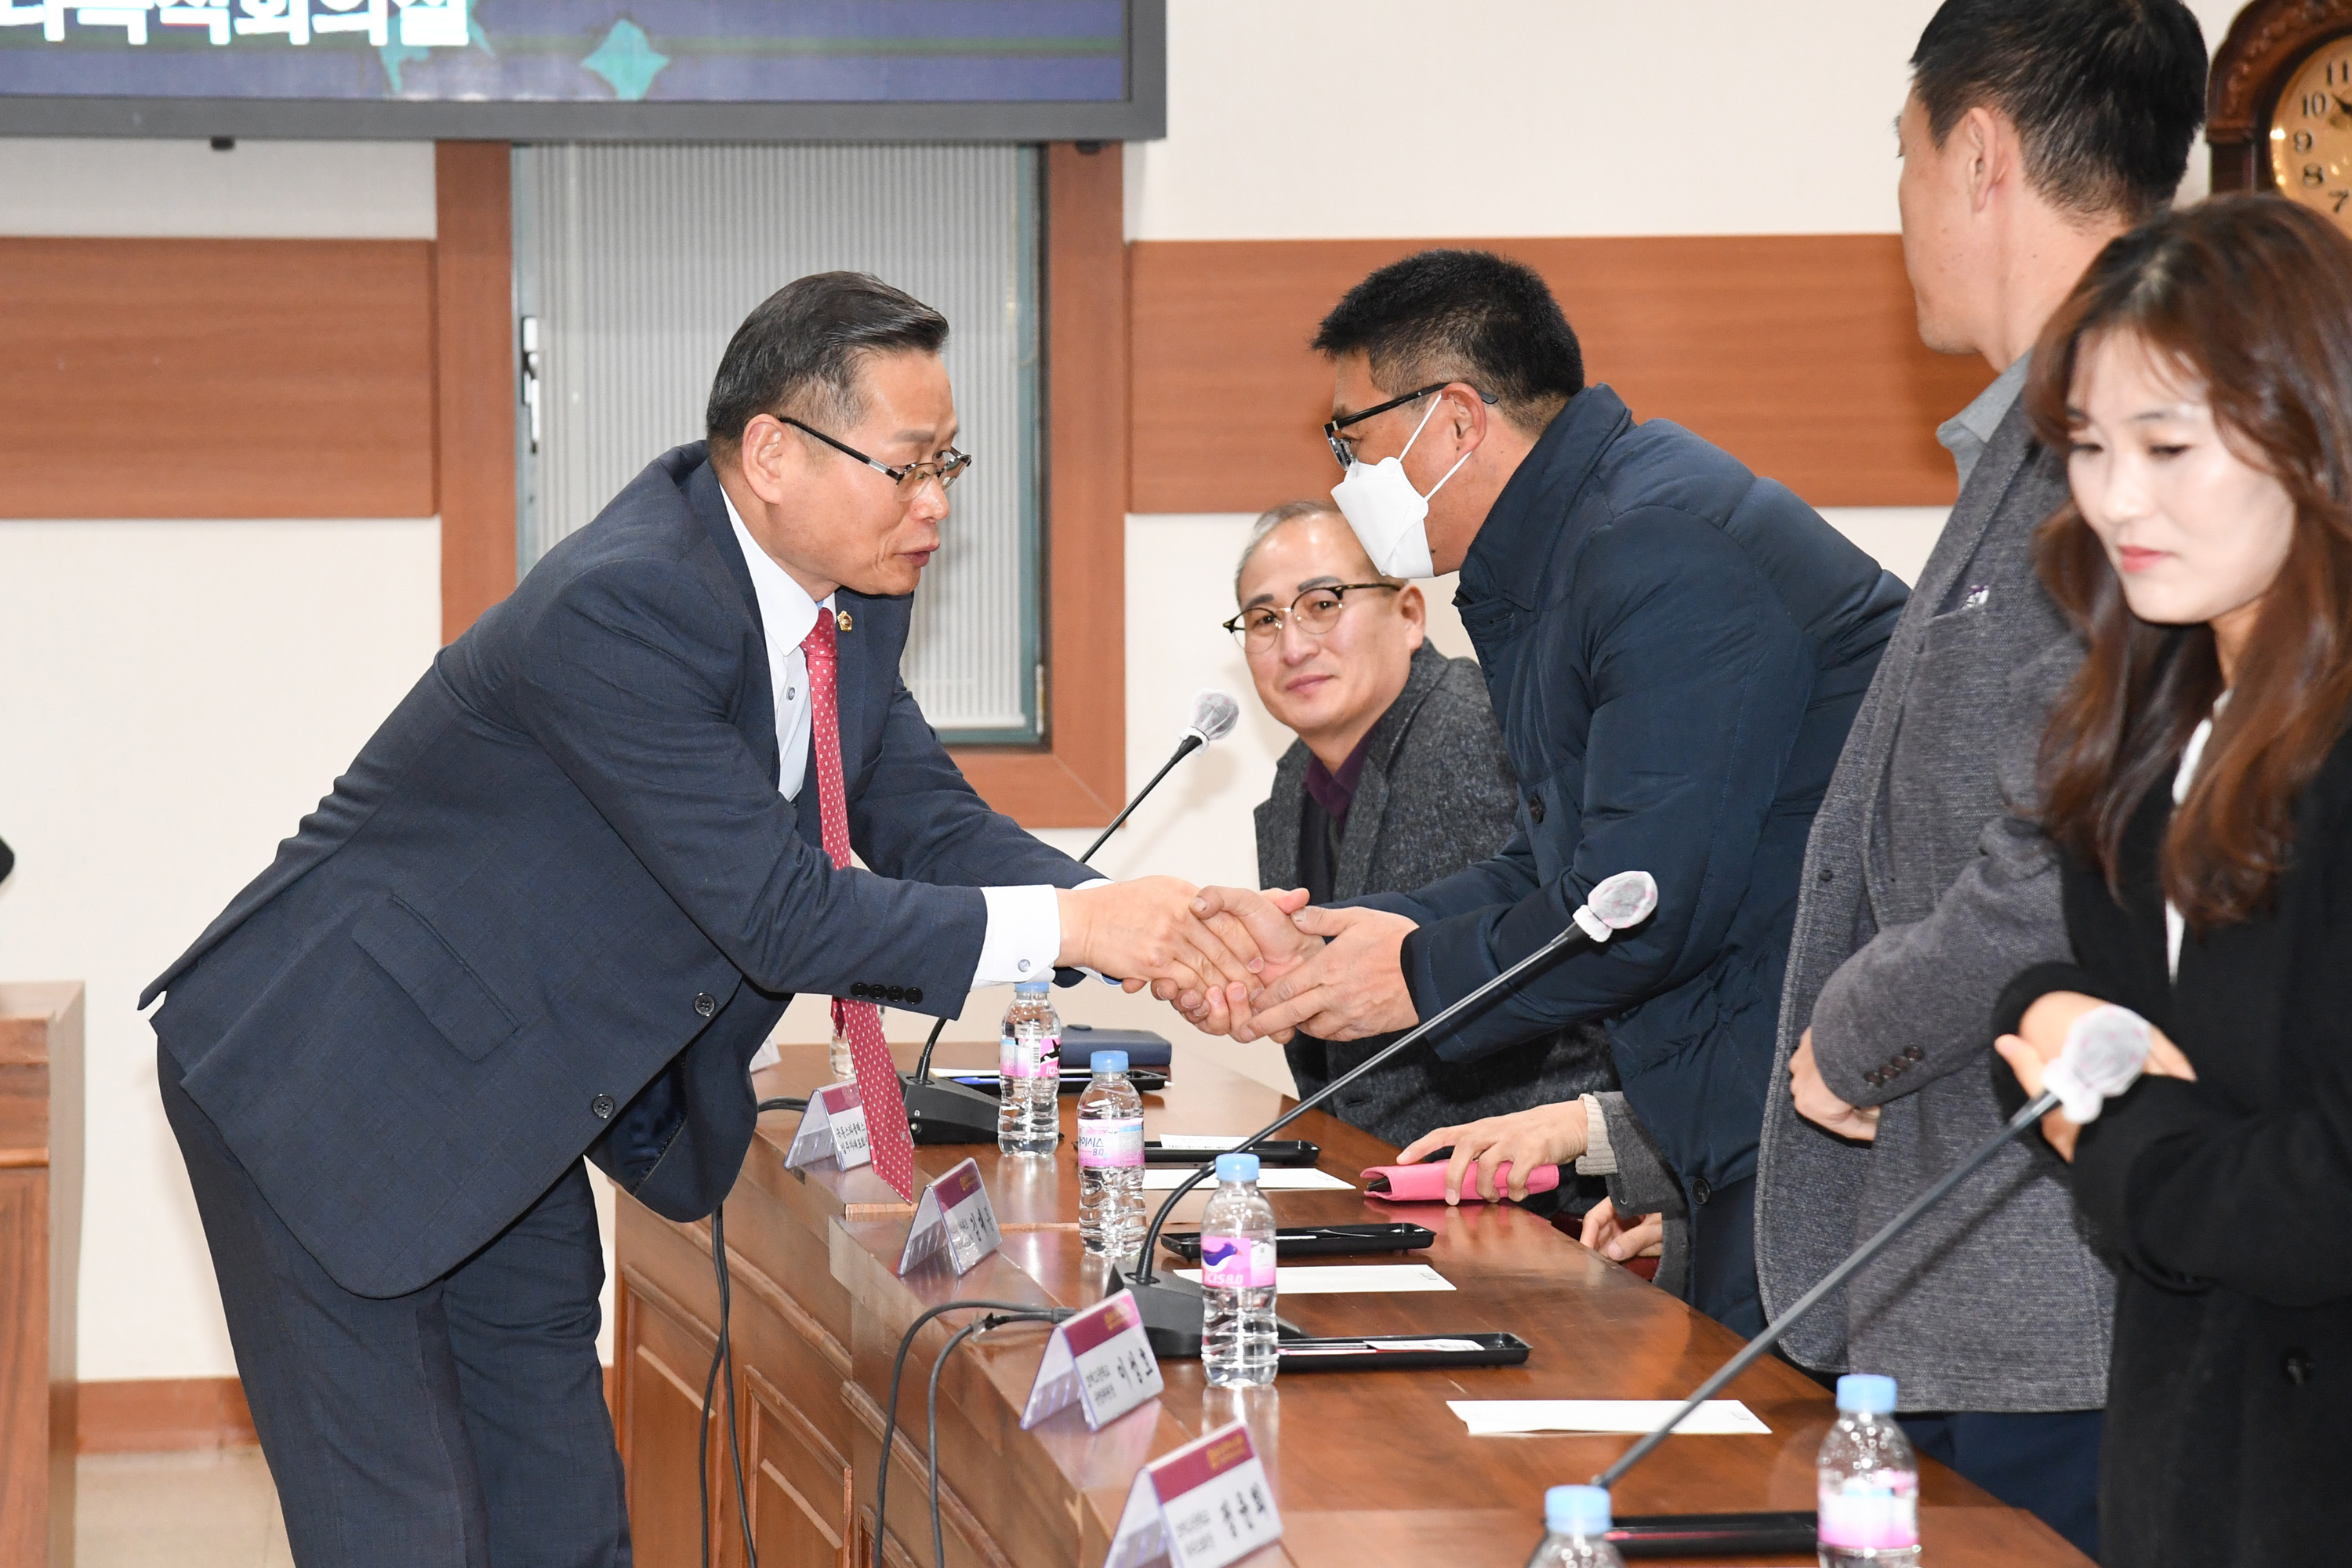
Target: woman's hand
<point x="1548" y="1135"/>
<point x="2025" y="1059"/>
<point x="2040" y="1039"/>
<point x="1607" y="1233"/>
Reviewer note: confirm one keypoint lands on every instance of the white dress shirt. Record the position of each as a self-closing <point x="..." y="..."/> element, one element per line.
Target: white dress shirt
<point x="1025" y="924"/>
<point x="2192" y="756"/>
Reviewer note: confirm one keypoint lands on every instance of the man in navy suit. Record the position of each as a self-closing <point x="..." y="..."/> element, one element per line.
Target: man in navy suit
<point x="554" y="906"/>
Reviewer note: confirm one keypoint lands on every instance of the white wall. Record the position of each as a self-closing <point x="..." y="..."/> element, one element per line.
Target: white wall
<point x="176" y="695"/>
<point x="184" y="189"/>
<point x="1387" y="118"/>
<point x="173" y="696"/>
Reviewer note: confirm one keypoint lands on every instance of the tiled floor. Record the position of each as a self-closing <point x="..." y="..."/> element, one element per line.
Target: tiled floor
<point x="210" y="1508"/>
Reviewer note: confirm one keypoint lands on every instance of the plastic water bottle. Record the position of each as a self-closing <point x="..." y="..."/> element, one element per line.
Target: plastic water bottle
<point x="1237" y="1279"/>
<point x="1110" y="1159"/>
<point x="838" y="1061"/>
<point x="1576" y="1526"/>
<point x="1029" y="1072"/>
<point x="1869" y="1497"/>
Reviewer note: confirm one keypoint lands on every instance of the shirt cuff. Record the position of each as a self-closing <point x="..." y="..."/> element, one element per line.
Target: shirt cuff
<point x="1599" y="1157"/>
<point x="1024" y="935"/>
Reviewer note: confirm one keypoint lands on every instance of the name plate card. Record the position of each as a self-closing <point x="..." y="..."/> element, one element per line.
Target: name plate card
<point x="1203" y="1505"/>
<point x="953" y="1213"/>
<point x="832" y="1127"/>
<point x="1098" y="1358"/>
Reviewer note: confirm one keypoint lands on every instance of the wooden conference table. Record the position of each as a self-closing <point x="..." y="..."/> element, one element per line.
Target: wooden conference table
<point x="1368" y="1467"/>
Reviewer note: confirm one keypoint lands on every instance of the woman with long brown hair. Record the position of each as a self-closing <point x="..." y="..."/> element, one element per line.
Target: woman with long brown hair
<point x="2198" y="780"/>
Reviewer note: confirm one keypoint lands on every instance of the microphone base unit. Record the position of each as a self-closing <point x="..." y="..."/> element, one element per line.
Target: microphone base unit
<point x="1175" y="1311"/>
<point x="948" y="1113"/>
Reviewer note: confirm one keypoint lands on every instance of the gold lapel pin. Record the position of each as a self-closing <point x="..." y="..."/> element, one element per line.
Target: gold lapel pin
<point x="841" y="620"/>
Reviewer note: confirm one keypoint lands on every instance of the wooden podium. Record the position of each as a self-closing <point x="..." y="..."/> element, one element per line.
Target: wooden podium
<point x="1368" y="1469"/>
<point x="40" y="1254"/>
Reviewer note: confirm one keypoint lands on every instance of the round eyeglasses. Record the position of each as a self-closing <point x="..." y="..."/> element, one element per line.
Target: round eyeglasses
<point x="1315" y="612"/>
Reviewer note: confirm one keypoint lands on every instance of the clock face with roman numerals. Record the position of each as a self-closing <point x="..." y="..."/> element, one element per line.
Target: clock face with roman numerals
<point x="2311" y="132"/>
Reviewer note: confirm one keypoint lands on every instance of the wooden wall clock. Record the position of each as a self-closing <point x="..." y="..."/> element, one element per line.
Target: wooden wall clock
<point x="2278" y="104"/>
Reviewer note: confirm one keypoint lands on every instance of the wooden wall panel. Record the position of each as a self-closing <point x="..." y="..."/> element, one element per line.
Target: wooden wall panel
<point x="41" y="1038"/>
<point x="203" y="378"/>
<point x="149" y="1415"/>
<point x="1078" y="777"/>
<point x="474" y="348"/>
<point x="1798" y="355"/>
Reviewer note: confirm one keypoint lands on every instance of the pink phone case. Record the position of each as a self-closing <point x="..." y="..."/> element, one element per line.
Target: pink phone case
<point x="1426" y="1183"/>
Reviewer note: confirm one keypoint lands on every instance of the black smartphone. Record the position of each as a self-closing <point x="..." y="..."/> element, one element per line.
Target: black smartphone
<point x="1272" y="1151"/>
<point x="1144" y="1080"/>
<point x="1399" y="1353"/>
<point x="1318" y="1241"/>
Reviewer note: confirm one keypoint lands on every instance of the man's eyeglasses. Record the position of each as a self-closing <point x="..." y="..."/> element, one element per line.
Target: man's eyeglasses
<point x="1314" y="611"/>
<point x="1344" y="446"/>
<point x="943" y="468"/>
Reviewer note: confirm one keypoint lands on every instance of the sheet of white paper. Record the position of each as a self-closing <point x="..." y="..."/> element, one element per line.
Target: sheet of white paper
<point x="1273" y="1179"/>
<point x="1350" y="1279"/>
<point x="1494" y="1418"/>
<point x="1199" y="1143"/>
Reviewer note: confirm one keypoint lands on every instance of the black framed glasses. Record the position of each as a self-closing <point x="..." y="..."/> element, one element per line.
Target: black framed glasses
<point x="1343" y="448"/>
<point x="1315" y="612"/>
<point x="943" y="468"/>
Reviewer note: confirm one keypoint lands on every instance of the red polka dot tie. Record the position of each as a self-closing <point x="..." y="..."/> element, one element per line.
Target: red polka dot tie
<point x="893" y="1149"/>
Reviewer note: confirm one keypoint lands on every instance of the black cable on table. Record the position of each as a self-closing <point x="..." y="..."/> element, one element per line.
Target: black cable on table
<point x="768" y="1105"/>
<point x="899" y="1366"/>
<point x="931" y="1403"/>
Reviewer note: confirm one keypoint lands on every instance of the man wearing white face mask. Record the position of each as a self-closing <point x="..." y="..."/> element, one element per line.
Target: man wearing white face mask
<point x="1674" y="649"/>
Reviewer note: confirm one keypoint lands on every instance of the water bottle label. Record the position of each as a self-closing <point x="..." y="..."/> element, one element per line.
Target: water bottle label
<point x="1039" y="1056"/>
<point x="1871" y="1513"/>
<point x="1110" y="1143"/>
<point x="1235" y="1262"/>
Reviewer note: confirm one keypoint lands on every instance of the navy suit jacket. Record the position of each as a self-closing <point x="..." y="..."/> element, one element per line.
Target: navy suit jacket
<point x="556" y="903"/>
<point x="1676" y="649"/>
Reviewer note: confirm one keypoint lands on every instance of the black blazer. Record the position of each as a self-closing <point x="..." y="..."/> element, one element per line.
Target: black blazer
<point x="2229" y="1203"/>
<point x="556" y="903"/>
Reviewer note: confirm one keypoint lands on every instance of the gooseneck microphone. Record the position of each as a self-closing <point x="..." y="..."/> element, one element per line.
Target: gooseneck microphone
<point x="951" y="1113"/>
<point x="1172" y="1308"/>
<point x="1215" y="714"/>
<point x="2105" y="1050"/>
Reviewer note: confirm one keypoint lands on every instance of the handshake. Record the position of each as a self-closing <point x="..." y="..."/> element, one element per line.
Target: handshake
<point x="1251" y="965"/>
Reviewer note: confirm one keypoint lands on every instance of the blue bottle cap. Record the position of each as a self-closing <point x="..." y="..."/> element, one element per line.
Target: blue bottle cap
<point x="1576" y="1511"/>
<point x="1033" y="988"/>
<point x="1866" y="1394"/>
<point x="1237" y="1167"/>
<point x="1108" y="1061"/>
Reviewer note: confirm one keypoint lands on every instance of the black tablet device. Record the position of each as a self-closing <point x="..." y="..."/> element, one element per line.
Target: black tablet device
<point x="1272" y="1151"/>
<point x="1706" y="1534"/>
<point x="1318" y="1241"/>
<point x="1400" y="1353"/>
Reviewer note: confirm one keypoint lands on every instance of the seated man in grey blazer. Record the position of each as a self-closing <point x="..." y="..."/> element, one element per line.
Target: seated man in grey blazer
<point x="1398" y="778"/>
<point x="551" y="911"/>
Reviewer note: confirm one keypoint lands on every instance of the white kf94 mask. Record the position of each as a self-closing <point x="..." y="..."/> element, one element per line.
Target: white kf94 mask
<point x="1391" y="519"/>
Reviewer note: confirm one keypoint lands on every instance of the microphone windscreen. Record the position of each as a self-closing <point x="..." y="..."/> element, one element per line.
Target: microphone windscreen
<point x="1215" y="714"/>
<point x="2108" y="1048"/>
<point x="1627" y="899"/>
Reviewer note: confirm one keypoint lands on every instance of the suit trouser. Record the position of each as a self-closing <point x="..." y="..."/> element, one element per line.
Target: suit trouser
<point x="1723" y="1259"/>
<point x="461" y="1426"/>
<point x="2045" y="1462"/>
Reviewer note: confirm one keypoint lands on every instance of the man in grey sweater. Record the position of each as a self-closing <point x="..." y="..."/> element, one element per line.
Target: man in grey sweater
<point x="1398" y="778"/>
<point x="2035" y="131"/>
